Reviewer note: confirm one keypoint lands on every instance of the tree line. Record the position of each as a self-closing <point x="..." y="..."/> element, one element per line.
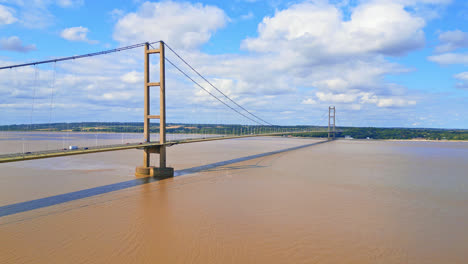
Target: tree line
<point x="235" y="129"/>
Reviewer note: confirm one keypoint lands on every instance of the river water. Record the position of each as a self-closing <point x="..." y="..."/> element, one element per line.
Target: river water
<point x="345" y="201"/>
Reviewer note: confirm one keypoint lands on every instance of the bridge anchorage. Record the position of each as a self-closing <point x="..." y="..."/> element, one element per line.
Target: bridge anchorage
<point x="147" y="170"/>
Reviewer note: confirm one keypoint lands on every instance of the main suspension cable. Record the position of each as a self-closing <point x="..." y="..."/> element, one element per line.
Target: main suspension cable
<point x="232" y="108"/>
<point x="215" y="87"/>
<point x="79" y="56"/>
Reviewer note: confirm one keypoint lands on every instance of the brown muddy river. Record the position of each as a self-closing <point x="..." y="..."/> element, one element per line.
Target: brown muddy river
<point x="345" y="201"/>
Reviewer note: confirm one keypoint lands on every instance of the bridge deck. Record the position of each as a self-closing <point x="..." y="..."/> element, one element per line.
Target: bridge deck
<point x="87" y="150"/>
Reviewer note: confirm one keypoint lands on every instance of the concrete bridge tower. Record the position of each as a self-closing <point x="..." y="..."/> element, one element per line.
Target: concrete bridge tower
<point x="331" y="123"/>
<point x="146" y="169"/>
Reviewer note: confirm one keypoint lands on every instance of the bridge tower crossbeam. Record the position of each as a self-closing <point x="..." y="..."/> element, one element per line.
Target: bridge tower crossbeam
<point x="147" y="169"/>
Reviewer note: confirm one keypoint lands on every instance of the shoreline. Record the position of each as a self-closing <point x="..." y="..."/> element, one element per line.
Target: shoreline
<point x="424" y="140"/>
<point x="394" y="140"/>
<point x="409" y="140"/>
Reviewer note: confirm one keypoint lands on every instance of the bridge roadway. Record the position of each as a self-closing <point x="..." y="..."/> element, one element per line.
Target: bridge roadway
<point x="87" y="150"/>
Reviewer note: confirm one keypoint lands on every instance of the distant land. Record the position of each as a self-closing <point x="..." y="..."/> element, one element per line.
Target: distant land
<point x="179" y="128"/>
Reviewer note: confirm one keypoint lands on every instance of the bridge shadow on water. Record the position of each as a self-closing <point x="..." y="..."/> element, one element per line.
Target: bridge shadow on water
<point x="72" y="196"/>
<point x="230" y="168"/>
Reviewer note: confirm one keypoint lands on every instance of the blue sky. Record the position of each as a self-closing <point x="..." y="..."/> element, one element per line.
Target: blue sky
<point x="399" y="63"/>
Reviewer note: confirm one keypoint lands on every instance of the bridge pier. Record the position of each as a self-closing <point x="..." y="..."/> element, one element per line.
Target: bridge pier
<point x="151" y="171"/>
<point x="146" y="170"/>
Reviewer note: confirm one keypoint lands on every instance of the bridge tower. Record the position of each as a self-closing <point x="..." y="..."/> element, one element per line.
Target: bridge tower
<point x="146" y="169"/>
<point x="331" y="122"/>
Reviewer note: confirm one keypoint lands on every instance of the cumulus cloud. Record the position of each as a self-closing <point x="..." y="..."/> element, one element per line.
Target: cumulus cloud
<point x="184" y="25"/>
<point x="312" y="46"/>
<point x="305" y="54"/>
<point x="452" y="40"/>
<point x="83" y="89"/>
<point x="14" y="43"/>
<point x="449" y="42"/>
<point x="6" y="15"/>
<point x="77" y="34"/>
<point x="319" y="28"/>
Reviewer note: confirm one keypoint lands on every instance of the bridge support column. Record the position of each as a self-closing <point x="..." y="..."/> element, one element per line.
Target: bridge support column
<point x="147" y="170"/>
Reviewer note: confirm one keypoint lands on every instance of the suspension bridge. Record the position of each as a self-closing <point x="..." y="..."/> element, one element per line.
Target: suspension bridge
<point x="250" y="124"/>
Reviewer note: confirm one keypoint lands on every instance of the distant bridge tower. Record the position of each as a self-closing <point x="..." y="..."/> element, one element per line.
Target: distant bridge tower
<point x="146" y="169"/>
<point x="331" y="122"/>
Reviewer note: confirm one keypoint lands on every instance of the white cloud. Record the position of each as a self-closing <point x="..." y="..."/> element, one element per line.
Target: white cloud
<point x="247" y="16"/>
<point x="450" y="58"/>
<point x="37" y="14"/>
<point x="14" y="43"/>
<point x="427" y="9"/>
<point x="462" y="76"/>
<point x="41" y="3"/>
<point x="69" y="3"/>
<point x="463" y="80"/>
<point x="77" y="34"/>
<point x="452" y="40"/>
<point x="416" y="2"/>
<point x="83" y="89"/>
<point x="132" y="77"/>
<point x="336" y="98"/>
<point x="356" y="107"/>
<point x="389" y="102"/>
<point x="318" y="28"/>
<point x="309" y="46"/>
<point x="307" y="54"/>
<point x="183" y="25"/>
<point x="309" y="101"/>
<point x="381" y="101"/>
<point x="334" y="84"/>
<point x="116" y="13"/>
<point x="113" y="96"/>
<point x="6" y="15"/>
<point x="358" y="98"/>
